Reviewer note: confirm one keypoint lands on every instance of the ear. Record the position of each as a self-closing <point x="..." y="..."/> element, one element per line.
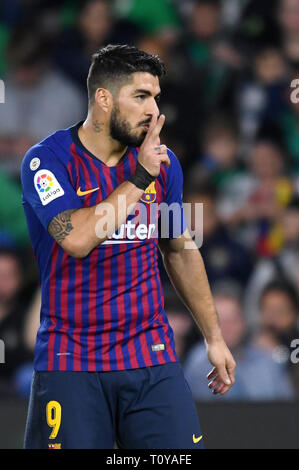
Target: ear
<point x="103" y="99"/>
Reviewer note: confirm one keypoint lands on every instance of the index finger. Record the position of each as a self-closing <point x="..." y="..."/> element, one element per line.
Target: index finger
<point x="155" y="130"/>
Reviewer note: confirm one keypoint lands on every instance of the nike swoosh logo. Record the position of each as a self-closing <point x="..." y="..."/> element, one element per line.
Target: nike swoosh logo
<point x="83" y="193"/>
<point x="196" y="439"/>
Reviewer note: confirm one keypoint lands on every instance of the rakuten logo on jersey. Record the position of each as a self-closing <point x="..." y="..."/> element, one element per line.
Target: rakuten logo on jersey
<point x="120" y="223"/>
<point x="132" y="233"/>
<point x="140" y="223"/>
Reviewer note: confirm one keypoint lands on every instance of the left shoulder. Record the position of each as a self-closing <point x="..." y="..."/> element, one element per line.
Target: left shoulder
<point x="173" y="158"/>
<point x="172" y="177"/>
<point x="174" y="170"/>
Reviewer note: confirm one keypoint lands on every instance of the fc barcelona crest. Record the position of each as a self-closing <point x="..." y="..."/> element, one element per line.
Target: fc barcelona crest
<point x="149" y="194"/>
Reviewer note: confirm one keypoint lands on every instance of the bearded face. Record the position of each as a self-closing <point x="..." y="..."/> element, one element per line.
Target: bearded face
<point x="122" y="131"/>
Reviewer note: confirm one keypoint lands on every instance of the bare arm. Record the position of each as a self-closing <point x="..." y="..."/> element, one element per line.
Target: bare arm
<point x="186" y="270"/>
<point x="79" y="231"/>
<point x="76" y="229"/>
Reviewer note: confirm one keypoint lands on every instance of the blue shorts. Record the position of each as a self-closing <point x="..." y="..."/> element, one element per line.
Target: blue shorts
<point x="147" y="408"/>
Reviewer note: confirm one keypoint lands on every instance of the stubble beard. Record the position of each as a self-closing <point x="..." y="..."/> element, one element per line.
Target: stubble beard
<point x="121" y="130"/>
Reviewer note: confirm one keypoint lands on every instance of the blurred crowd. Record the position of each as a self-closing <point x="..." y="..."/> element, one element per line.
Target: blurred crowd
<point x="232" y="123"/>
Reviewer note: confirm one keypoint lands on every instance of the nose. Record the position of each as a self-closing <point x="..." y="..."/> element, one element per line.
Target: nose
<point x="153" y="109"/>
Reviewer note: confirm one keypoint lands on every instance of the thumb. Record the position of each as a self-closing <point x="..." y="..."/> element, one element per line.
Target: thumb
<point x="222" y="372"/>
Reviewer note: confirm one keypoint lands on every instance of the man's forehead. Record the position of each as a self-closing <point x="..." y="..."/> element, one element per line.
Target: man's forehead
<point x="143" y="81"/>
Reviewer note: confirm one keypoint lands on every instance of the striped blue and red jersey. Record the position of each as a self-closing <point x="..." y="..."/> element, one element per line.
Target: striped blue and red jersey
<point x="106" y="311"/>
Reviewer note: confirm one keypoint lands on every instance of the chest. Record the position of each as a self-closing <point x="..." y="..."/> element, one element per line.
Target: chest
<point x="94" y="181"/>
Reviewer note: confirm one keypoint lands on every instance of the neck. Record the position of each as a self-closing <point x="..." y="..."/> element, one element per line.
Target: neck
<point x="94" y="135"/>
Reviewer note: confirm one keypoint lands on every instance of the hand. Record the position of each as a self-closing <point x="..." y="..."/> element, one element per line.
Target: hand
<point x="151" y="153"/>
<point x="223" y="372"/>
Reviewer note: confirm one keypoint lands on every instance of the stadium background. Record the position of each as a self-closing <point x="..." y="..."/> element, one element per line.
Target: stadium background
<point x="231" y="121"/>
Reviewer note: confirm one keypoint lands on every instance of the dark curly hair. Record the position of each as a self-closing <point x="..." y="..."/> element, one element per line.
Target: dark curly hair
<point x="113" y="65"/>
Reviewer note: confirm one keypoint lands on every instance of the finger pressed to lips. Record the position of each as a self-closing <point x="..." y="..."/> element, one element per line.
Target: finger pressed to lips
<point x="156" y="126"/>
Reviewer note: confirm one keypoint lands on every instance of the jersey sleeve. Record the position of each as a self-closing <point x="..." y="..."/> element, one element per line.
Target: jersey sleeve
<point x="46" y="184"/>
<point x="174" y="195"/>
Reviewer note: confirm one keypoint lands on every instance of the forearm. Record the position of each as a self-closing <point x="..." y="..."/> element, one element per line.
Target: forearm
<point x="91" y="226"/>
<point x="188" y="275"/>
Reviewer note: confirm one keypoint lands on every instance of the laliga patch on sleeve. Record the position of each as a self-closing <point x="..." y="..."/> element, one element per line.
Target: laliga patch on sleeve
<point x="47" y="186"/>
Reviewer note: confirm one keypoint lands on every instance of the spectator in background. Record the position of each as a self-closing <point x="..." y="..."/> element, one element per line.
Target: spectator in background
<point x="279" y="314"/>
<point x="288" y="123"/>
<point x="214" y="62"/>
<point x="219" y="161"/>
<point x="153" y="17"/>
<point x="38" y="100"/>
<point x="258" y="376"/>
<point x="257" y="25"/>
<point x="23" y="373"/>
<point x="13" y="226"/>
<point x="204" y="25"/>
<point x="13" y="303"/>
<point x="284" y="264"/>
<point x="262" y="96"/>
<point x="288" y="16"/>
<point x="224" y="258"/>
<point x="252" y="202"/>
<point x="74" y="47"/>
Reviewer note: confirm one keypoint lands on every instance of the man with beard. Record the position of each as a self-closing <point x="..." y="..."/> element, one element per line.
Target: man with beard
<point x="106" y="370"/>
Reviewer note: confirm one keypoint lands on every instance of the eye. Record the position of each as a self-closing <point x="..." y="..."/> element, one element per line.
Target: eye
<point x="140" y="97"/>
<point x="157" y="99"/>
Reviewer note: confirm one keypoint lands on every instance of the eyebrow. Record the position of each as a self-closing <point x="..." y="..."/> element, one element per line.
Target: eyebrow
<point x="146" y="92"/>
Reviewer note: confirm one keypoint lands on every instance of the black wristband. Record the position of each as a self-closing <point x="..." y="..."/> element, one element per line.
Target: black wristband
<point x="141" y="178"/>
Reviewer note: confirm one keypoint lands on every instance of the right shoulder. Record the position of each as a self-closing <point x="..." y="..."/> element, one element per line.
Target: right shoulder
<point x="37" y="155"/>
<point x="54" y="150"/>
